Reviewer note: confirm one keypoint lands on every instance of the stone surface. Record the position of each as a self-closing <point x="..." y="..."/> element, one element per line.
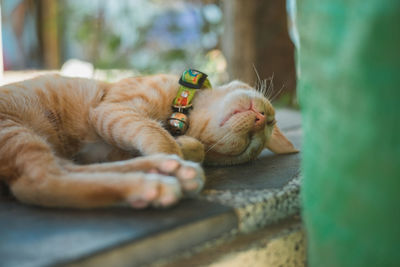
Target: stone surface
<point x="268" y="171"/>
<point x="256" y="209"/>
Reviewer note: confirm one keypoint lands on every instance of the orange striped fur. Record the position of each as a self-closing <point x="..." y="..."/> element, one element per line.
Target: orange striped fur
<point x="51" y="125"/>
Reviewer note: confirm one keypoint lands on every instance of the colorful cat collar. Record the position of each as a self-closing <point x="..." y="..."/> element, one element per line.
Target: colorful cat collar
<point x="190" y="81"/>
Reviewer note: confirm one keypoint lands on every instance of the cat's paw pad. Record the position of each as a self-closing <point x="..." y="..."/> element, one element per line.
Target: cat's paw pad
<point x="157" y="190"/>
<point x="190" y="174"/>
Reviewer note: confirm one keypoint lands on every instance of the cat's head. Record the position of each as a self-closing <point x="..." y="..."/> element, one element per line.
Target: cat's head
<point x="235" y="122"/>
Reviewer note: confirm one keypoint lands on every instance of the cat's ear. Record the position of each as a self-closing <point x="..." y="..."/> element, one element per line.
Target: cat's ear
<point x="279" y="144"/>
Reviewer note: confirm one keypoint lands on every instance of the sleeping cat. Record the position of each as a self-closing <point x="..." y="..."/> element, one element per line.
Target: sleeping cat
<point x="74" y="142"/>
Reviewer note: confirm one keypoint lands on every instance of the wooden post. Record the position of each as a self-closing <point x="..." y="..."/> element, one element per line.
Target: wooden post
<point x="256" y="33"/>
<point x="49" y="33"/>
<point x="238" y="42"/>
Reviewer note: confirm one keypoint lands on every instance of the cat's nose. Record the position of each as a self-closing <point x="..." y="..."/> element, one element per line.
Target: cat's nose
<point x="259" y="121"/>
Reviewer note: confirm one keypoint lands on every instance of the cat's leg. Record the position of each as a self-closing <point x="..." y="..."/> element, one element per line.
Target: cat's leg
<point x="35" y="175"/>
<point x="192" y="149"/>
<point x="190" y="174"/>
<point x="87" y="190"/>
<point x="129" y="129"/>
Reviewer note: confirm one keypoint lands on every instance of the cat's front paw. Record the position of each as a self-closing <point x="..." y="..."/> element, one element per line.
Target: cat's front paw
<point x="189" y="174"/>
<point x="156" y="190"/>
<point x="192" y="149"/>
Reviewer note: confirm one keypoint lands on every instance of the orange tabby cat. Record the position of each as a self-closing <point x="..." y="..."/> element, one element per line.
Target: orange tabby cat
<point x="49" y="122"/>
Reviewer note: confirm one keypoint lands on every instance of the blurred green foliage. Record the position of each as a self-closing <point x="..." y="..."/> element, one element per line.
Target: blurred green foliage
<point x="147" y="36"/>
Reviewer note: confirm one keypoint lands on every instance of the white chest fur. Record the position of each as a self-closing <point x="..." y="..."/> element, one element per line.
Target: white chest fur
<point x="94" y="152"/>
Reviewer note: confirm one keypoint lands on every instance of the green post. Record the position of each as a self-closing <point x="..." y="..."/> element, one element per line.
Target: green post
<point x="349" y="91"/>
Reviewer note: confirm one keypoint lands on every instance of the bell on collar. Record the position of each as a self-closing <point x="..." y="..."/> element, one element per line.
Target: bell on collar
<point x="178" y="123"/>
<point x="190" y="81"/>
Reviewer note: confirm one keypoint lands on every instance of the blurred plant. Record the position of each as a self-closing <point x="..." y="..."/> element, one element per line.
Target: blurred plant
<point x="148" y="36"/>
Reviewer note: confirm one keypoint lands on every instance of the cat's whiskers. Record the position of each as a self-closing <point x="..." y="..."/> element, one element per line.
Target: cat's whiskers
<point x="258" y="82"/>
<point x="265" y="86"/>
<point x="270" y="88"/>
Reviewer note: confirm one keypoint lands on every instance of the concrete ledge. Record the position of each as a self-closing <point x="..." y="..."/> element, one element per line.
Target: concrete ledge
<point x="256" y="209"/>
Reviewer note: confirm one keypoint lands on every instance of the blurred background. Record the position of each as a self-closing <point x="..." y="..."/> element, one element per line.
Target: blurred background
<point x="228" y="39"/>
